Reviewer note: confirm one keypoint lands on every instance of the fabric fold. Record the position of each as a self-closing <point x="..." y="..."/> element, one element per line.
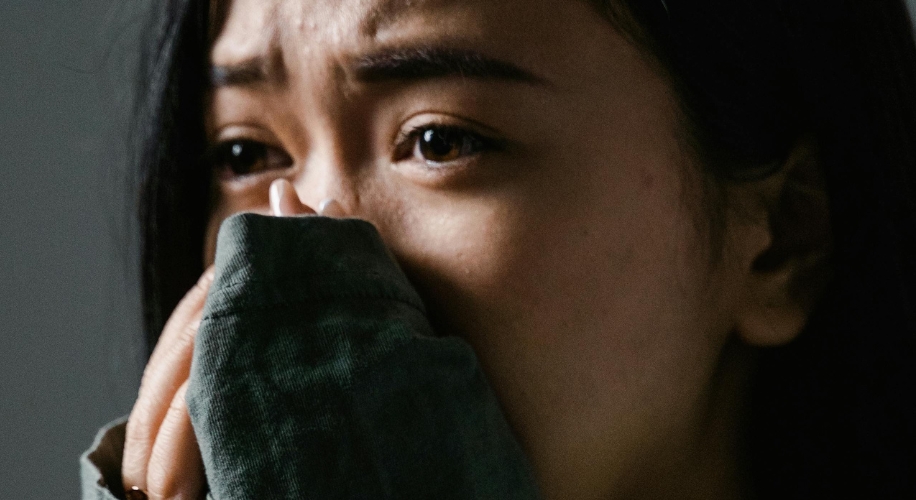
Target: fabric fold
<point x="316" y="374"/>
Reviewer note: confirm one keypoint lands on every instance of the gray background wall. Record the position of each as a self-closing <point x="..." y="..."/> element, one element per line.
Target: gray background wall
<point x="69" y="347"/>
<point x="69" y="360"/>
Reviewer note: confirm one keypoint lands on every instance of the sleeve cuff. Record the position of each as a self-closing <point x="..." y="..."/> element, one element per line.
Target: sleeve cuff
<point x="100" y="466"/>
<point x="283" y="260"/>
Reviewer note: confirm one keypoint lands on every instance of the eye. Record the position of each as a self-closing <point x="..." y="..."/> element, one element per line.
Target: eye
<point x="239" y="158"/>
<point x="439" y="144"/>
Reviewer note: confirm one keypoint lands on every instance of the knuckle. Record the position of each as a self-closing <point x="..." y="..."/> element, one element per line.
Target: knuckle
<point x="165" y="480"/>
<point x="188" y="333"/>
<point x="166" y="476"/>
<point x="178" y="406"/>
<point x="181" y="329"/>
<point x="143" y="423"/>
<point x="156" y="490"/>
<point x="148" y="403"/>
<point x="133" y="466"/>
<point x="137" y="434"/>
<point x="179" y="348"/>
<point x="170" y="363"/>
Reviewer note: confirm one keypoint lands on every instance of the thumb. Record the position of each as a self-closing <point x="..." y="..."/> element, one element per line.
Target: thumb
<point x="284" y="201"/>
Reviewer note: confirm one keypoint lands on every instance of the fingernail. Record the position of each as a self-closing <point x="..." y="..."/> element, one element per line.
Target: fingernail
<point x="276" y="195"/>
<point x="330" y="208"/>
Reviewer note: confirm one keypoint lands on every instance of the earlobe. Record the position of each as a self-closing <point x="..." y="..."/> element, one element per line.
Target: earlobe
<point x="774" y="310"/>
<point x="785" y="278"/>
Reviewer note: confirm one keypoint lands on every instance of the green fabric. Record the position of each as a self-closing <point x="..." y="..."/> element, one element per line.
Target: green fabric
<point x="316" y="375"/>
<point x="100" y="466"/>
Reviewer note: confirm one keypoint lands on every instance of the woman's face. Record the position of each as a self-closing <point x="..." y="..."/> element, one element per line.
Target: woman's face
<point x="522" y="161"/>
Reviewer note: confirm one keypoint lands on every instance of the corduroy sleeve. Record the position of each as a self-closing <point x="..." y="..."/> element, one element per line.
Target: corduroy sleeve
<point x="316" y="375"/>
<point x="100" y="465"/>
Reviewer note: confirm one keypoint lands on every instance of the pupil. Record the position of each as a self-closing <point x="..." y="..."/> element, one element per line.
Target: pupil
<point x="439" y="143"/>
<point x="243" y="156"/>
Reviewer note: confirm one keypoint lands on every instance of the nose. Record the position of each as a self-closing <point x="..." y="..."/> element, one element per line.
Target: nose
<point x="327" y="187"/>
<point x="284" y="201"/>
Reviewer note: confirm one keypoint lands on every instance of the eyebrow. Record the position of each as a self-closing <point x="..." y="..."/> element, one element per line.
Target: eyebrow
<point x="425" y="63"/>
<point x="398" y="64"/>
<point x="244" y="74"/>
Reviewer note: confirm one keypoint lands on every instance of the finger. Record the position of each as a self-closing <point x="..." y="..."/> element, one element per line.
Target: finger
<point x="331" y="208"/>
<point x="186" y="312"/>
<point x="166" y="371"/>
<point x="161" y="382"/>
<point x="285" y="202"/>
<point x="176" y="470"/>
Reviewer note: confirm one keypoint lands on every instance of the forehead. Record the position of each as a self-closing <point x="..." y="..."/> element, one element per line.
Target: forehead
<point x="249" y="26"/>
<point x="310" y="43"/>
<point x="276" y="19"/>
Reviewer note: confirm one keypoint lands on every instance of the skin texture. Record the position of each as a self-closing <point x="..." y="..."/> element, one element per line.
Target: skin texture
<point x="160" y="452"/>
<point x="571" y="257"/>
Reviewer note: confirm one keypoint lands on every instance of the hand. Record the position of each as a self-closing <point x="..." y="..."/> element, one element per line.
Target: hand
<point x="161" y="455"/>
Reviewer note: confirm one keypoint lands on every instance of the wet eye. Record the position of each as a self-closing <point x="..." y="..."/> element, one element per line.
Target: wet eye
<point x="239" y="158"/>
<point x="443" y="144"/>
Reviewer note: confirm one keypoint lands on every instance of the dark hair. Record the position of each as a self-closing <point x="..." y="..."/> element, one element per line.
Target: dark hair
<point x="170" y="137"/>
<point x="834" y="412"/>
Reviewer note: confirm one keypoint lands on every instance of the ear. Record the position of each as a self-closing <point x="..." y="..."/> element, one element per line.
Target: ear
<point x="786" y="273"/>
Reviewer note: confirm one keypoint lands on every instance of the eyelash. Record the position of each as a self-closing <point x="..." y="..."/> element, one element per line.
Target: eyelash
<point x="473" y="144"/>
<point x="239" y="158"/>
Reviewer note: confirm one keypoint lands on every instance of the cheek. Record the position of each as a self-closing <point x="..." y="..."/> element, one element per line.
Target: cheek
<point x="539" y="270"/>
<point x="572" y="243"/>
<point x="591" y="303"/>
